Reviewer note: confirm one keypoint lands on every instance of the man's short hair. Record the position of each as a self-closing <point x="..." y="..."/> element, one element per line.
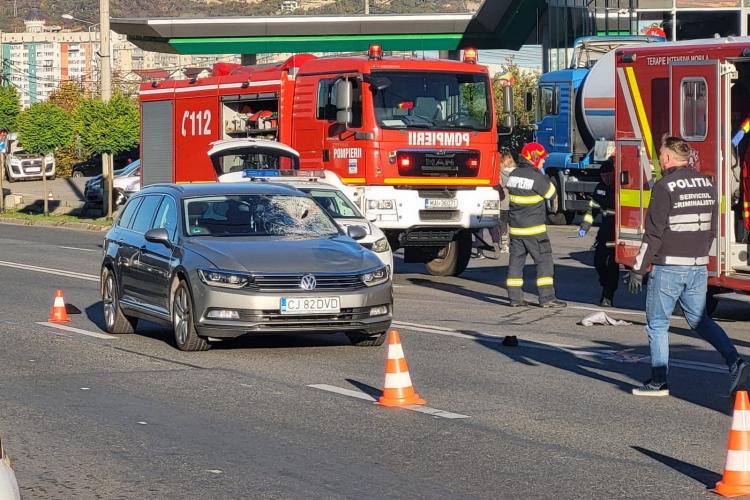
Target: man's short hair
<point x="679" y="147"/>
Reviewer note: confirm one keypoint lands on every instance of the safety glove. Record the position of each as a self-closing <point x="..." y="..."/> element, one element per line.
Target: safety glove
<point x="635" y="282"/>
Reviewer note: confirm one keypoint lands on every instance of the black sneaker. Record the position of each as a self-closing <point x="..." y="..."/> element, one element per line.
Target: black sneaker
<point x="519" y="303"/>
<point x="510" y="341"/>
<point x="553" y="303"/>
<point x="605" y="302"/>
<point x="652" y="388"/>
<point x="738" y="375"/>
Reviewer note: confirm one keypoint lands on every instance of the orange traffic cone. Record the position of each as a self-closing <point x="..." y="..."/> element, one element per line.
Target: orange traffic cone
<point x="736" y="479"/>
<point x="397" y="390"/>
<point x="59" y="314"/>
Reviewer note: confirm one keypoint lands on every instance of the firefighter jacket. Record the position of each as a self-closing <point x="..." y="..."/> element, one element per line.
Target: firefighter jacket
<point x="529" y="188"/>
<point x="602" y="200"/>
<point x="680" y="223"/>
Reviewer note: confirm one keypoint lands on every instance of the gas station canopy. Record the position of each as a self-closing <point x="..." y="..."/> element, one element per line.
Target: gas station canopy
<point x="499" y="24"/>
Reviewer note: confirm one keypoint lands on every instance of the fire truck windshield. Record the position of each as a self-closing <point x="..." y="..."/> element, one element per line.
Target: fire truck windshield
<point x="435" y="100"/>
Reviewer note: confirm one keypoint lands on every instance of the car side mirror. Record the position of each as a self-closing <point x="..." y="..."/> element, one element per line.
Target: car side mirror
<point x="158" y="235"/>
<point x="356" y="232"/>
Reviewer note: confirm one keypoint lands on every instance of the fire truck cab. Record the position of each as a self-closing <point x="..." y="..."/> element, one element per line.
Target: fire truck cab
<point x="696" y="90"/>
<point x="415" y="141"/>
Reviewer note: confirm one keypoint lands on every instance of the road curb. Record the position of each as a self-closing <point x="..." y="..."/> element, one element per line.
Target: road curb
<point x="78" y="226"/>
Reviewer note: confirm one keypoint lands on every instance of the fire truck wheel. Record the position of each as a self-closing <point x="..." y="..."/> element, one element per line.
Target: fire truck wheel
<point x="711" y="301"/>
<point x="454" y="258"/>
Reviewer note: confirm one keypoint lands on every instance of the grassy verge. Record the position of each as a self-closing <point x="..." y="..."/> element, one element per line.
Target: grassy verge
<point x="54" y="219"/>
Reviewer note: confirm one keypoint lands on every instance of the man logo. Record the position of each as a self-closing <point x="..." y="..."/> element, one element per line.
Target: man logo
<point x="308" y="282"/>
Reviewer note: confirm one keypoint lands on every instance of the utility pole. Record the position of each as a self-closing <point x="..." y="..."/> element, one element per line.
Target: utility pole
<point x="367" y="7"/>
<point x="106" y="78"/>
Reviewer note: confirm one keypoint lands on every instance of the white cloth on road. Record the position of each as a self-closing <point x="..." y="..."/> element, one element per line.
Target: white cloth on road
<point x="601" y="318"/>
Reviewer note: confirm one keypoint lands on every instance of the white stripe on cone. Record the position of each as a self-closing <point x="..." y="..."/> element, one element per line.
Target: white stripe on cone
<point x="397" y="380"/>
<point x="738" y="461"/>
<point x="741" y="420"/>
<point x="59" y="302"/>
<point x="395" y="351"/>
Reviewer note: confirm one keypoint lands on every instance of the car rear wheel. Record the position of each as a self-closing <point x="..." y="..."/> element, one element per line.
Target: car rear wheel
<point x="115" y="321"/>
<point x="363" y="339"/>
<point x="185" y="336"/>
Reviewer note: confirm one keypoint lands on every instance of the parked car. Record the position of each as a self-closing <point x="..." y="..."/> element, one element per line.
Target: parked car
<point x="123" y="180"/>
<point x="220" y="261"/>
<point x="93" y="166"/>
<point x="22" y="166"/>
<point x="8" y="483"/>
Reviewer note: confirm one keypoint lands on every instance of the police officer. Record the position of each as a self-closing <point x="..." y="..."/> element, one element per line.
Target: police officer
<point x="603" y="200"/>
<point x="529" y="189"/>
<point x="681" y="225"/>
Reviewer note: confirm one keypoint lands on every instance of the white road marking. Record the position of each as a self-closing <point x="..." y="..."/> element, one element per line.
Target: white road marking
<point x="57" y="272"/>
<point x="81" y="249"/>
<point x="142" y="423"/>
<point x="345" y="392"/>
<point x="85" y="388"/>
<point x="361" y="395"/>
<point x="572" y="350"/>
<point x="76" y="330"/>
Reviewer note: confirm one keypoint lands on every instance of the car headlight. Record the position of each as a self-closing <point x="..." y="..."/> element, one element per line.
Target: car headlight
<point x="491" y="204"/>
<point x="376" y="277"/>
<point x="381" y="204"/>
<point x="381" y="245"/>
<point x="224" y="279"/>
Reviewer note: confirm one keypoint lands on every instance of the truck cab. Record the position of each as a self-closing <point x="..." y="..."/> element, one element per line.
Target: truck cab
<point x="575" y="121"/>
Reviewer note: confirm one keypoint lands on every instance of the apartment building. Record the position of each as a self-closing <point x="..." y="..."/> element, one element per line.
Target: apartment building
<point x="36" y="60"/>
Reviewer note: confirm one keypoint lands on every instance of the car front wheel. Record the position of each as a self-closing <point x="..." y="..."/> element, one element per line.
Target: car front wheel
<point x="115" y="321"/>
<point x="185" y="336"/>
<point x="77" y="174"/>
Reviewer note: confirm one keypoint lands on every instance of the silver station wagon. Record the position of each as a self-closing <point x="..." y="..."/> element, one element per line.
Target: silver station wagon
<point x="219" y="261"/>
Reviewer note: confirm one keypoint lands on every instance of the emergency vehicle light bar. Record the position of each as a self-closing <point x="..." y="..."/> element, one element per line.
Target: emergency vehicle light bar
<point x="270" y="172"/>
<point x="375" y="51"/>
<point x="470" y="55"/>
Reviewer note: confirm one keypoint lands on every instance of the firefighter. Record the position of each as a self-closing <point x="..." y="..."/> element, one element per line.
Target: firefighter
<point x="529" y="189"/>
<point x="681" y="226"/>
<point x="603" y="200"/>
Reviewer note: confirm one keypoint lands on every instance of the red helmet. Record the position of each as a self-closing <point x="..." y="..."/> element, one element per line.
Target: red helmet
<point x="534" y="152"/>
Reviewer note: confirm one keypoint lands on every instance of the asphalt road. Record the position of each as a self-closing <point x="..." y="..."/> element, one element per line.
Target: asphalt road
<point x="132" y="417"/>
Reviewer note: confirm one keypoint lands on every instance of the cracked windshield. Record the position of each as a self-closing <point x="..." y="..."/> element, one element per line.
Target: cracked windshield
<point x="258" y="215"/>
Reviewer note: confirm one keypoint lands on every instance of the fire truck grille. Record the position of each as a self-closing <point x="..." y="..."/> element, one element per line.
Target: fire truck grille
<point x="440" y="163"/>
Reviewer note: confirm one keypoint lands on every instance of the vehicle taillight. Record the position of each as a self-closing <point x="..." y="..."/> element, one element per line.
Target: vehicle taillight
<point x="375" y="52"/>
<point x="472" y="163"/>
<point x="470" y="55"/>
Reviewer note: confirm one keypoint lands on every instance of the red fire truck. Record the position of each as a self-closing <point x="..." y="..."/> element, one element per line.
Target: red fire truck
<point x="413" y="141"/>
<point x="698" y="90"/>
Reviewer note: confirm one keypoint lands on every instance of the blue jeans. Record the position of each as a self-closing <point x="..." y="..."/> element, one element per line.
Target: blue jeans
<point x="686" y="284"/>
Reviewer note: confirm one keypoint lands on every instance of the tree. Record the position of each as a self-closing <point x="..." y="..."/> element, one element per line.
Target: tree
<point x="68" y="96"/>
<point x="43" y="128"/>
<point x="111" y="127"/>
<point x="10" y="106"/>
<point x="523" y="83"/>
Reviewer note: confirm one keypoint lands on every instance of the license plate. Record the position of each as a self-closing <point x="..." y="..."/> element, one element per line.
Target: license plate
<point x="310" y="305"/>
<point x="33" y="170"/>
<point x="441" y="203"/>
